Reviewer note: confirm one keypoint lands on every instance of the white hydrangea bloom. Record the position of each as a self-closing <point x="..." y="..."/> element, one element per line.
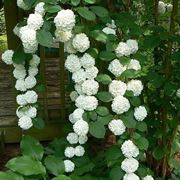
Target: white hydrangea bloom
<point x="131" y="176"/>
<point x="31" y="97"/>
<point x="108" y="30"/>
<point x="72" y="138"/>
<point x="90" y="87"/>
<point x="129" y="149"/>
<point x="133" y="45"/>
<point x="88" y="103"/>
<point x="72" y="63"/>
<point x="116" y="68"/>
<point x="79" y="151"/>
<point x="71" y="118"/>
<point x="69" y="166"/>
<point x="35" y="21"/>
<point x="112" y="24"/>
<point x="83" y="139"/>
<point x="134" y="64"/>
<point x="63" y="36"/>
<point x="117" y="88"/>
<point x="22" y="5"/>
<point x="68" y="47"/>
<point x="69" y="152"/>
<point x="122" y="50"/>
<point x="35" y="61"/>
<point x="73" y="95"/>
<point x="87" y="61"/>
<point x="117" y="127"/>
<point x="39" y="9"/>
<point x="77" y="114"/>
<point x="21" y="100"/>
<point x="120" y="105"/>
<point x="178" y="93"/>
<point x="81" y="42"/>
<point x="140" y="113"/>
<point x="135" y="86"/>
<point x="18" y="66"/>
<point x="7" y="57"/>
<point x="65" y="20"/>
<point x="19" y="112"/>
<point x="81" y="127"/>
<point x="169" y="7"/>
<point x="129" y="165"/>
<point x="30" y="82"/>
<point x="92" y="72"/>
<point x="19" y="73"/>
<point x="25" y="122"/>
<point x="78" y="88"/>
<point x="33" y="71"/>
<point x="31" y="112"/>
<point x="79" y="76"/>
<point x="161" y="7"/>
<point x="20" y="85"/>
<point x="148" y="177"/>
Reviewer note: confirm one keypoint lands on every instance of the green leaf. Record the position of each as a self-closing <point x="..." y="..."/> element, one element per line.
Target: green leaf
<point x="128" y="119"/>
<point x="99" y="36"/>
<point x="116" y="173"/>
<point x="113" y="153"/>
<point x="19" y="57"/>
<point x="158" y="152"/>
<point x="97" y="129"/>
<point x="141" y="126"/>
<point x="38" y="123"/>
<point x="29" y="3"/>
<point x="104" y="96"/>
<point x="86" y="13"/>
<point x="75" y="2"/>
<point x="105" y="120"/>
<point x="151" y="41"/>
<point x="102" y="111"/>
<point x="93" y="52"/>
<point x="52" y="8"/>
<point x="26" y="165"/>
<point x="54" y="164"/>
<point x="129" y="73"/>
<point x="31" y="147"/>
<point x="90" y="1"/>
<point x="84" y="169"/>
<point x="99" y="11"/>
<point x="104" y="79"/>
<point x="62" y="177"/>
<point x="135" y="101"/>
<point x="106" y="55"/>
<point x="92" y="115"/>
<point x="10" y="176"/>
<point x="142" y="143"/>
<point x="45" y="38"/>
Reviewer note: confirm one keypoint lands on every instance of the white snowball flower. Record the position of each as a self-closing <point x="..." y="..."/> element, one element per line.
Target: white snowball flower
<point x="87" y="61"/>
<point x="31" y="97"/>
<point x="140" y="113"/>
<point x="134" y="64"/>
<point x="117" y="127"/>
<point x="19" y="73"/>
<point x="81" y="42"/>
<point x="129" y="165"/>
<point x="18" y="66"/>
<point x="77" y="114"/>
<point x="63" y="36"/>
<point x="79" y="151"/>
<point x="135" y="86"/>
<point x="133" y="45"/>
<point x="178" y="93"/>
<point x="78" y="88"/>
<point x="161" y="7"/>
<point x="39" y="9"/>
<point x="81" y="127"/>
<point x="72" y="138"/>
<point x="117" y="88"/>
<point x="83" y="139"/>
<point x="131" y="176"/>
<point x="116" y="68"/>
<point x="20" y="112"/>
<point x="72" y="63"/>
<point x="35" y="61"/>
<point x="35" y="21"/>
<point x="68" y="47"/>
<point x="71" y="118"/>
<point x="25" y="122"/>
<point x="169" y="7"/>
<point x="65" y="20"/>
<point x="69" y="166"/>
<point x="88" y="103"/>
<point x="129" y="149"/>
<point x="92" y="72"/>
<point x="30" y="82"/>
<point x="79" y="76"/>
<point x="122" y="50"/>
<point x="73" y="95"/>
<point x="120" y="105"/>
<point x="90" y="87"/>
<point x="22" y="5"/>
<point x="20" y="85"/>
<point x="7" y="57"/>
<point x="108" y="30"/>
<point x="148" y="177"/>
<point x="69" y="152"/>
<point x="112" y="24"/>
<point x="33" y="71"/>
<point x="31" y="112"/>
<point x="21" y="100"/>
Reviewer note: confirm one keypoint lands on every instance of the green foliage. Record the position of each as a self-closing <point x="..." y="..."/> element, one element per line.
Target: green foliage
<point x="97" y="129"/>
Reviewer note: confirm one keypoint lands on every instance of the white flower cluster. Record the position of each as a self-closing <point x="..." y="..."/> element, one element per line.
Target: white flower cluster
<point x="140" y="113"/>
<point x="69" y="166"/>
<point x="135" y="86"/>
<point x="131" y="176"/>
<point x="134" y="64"/>
<point x="7" y="57"/>
<point x="74" y="138"/>
<point x="148" y="177"/>
<point x="70" y="152"/>
<point x="163" y="7"/>
<point x="110" y="28"/>
<point x="129" y="165"/>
